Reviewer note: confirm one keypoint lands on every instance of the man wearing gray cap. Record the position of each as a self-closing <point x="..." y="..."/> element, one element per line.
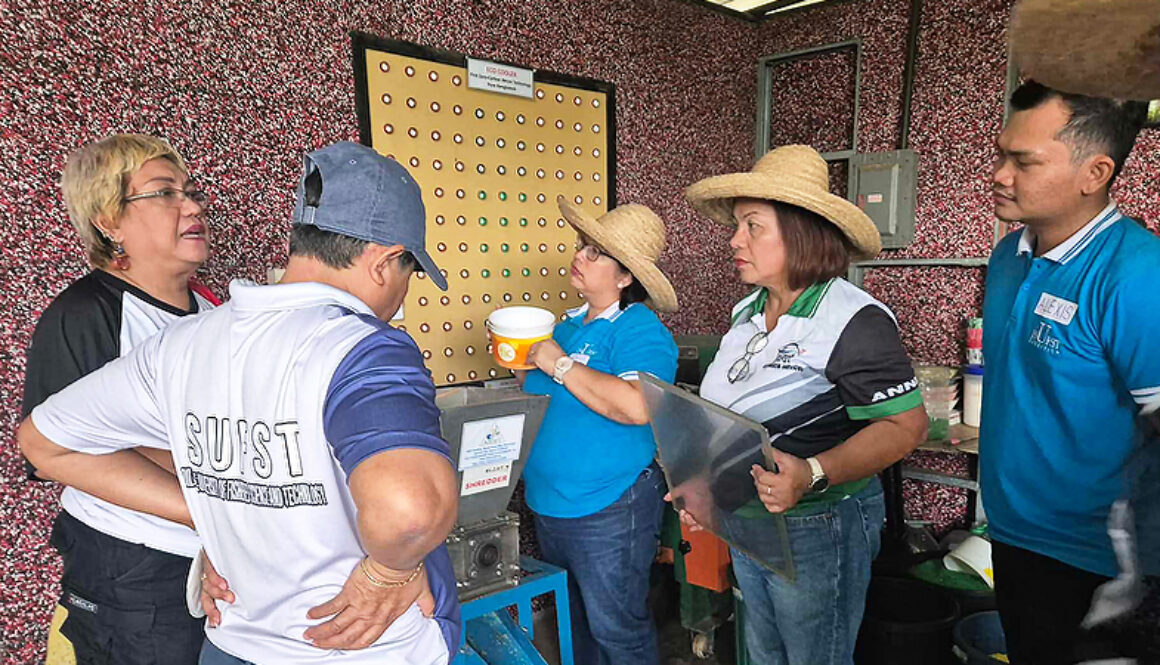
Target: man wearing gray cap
<point x="304" y="436"/>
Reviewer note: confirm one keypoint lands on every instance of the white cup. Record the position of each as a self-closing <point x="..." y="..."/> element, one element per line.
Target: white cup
<point x="973" y="555"/>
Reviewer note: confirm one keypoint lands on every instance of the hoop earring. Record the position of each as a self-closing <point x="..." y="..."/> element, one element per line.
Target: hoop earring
<point x="120" y="258"/>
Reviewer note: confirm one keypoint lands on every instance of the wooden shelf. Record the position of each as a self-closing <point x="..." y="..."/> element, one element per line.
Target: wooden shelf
<point x="963" y="439"/>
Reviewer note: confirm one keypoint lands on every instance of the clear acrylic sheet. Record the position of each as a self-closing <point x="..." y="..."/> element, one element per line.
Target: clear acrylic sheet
<point x="706" y="452"/>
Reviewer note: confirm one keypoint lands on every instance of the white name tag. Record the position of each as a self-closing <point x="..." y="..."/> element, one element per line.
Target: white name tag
<point x="1056" y="309"/>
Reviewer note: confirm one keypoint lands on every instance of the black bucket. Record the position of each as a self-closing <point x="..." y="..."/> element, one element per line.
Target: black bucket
<point x="907" y="622"/>
<point x="978" y="637"/>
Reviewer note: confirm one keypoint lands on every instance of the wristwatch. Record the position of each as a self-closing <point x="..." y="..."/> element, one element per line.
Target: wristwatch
<point x="563" y="365"/>
<point x="819" y="482"/>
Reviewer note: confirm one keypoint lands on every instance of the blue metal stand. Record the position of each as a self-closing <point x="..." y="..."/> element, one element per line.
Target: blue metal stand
<point x="491" y="637"/>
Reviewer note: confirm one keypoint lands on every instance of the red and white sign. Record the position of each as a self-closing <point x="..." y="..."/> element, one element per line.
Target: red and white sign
<point x="483" y="478"/>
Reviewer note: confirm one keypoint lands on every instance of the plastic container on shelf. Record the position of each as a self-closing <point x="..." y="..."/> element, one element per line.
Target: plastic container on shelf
<point x="938" y="428"/>
<point x="940" y="392"/>
<point x="975" y="356"/>
<point x="975" y="341"/>
<point x="934" y="376"/>
<point x="972" y="394"/>
<point x="939" y="408"/>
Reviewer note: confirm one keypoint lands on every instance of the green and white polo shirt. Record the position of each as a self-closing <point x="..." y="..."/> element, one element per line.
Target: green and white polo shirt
<point x="831" y="364"/>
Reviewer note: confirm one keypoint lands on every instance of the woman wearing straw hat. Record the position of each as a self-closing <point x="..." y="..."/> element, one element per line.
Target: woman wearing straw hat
<point x="591" y="480"/>
<point x="819" y="362"/>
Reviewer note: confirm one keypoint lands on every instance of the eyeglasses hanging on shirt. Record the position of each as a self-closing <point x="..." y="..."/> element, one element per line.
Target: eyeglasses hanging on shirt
<point x="740" y="369"/>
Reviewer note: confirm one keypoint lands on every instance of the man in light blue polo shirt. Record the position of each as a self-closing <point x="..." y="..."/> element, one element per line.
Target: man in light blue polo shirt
<point x="1071" y="359"/>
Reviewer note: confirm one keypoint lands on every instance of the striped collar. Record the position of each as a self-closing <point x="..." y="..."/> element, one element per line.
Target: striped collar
<point x="610" y="313"/>
<point x="804" y="307"/>
<point x="1070" y="248"/>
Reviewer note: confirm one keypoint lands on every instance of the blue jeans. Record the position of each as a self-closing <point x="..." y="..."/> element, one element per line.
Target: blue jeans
<point x="608" y="556"/>
<point x="211" y="655"/>
<point x="814" y="620"/>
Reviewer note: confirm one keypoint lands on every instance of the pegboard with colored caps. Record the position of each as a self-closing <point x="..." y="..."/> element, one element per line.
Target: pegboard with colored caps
<point x="490" y="167"/>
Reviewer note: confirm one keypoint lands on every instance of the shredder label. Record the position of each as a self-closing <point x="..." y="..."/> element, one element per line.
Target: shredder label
<point x="484" y="478"/>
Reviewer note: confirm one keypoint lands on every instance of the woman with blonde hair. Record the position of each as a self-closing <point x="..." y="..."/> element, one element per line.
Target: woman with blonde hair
<point x="142" y="223"/>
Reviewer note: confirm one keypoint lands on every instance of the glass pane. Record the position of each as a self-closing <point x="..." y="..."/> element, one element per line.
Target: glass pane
<point x="706" y="452"/>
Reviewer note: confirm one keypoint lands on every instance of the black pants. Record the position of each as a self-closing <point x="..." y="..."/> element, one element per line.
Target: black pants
<point x="125" y="601"/>
<point x="1041" y="603"/>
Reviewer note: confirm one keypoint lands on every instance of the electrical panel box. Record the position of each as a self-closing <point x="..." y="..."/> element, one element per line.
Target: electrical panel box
<point x="883" y="184"/>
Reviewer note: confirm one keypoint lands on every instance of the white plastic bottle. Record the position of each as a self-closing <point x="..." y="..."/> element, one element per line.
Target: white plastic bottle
<point x="972" y="394"/>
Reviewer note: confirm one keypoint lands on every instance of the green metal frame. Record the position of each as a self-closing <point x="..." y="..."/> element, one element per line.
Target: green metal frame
<point x="765" y="90"/>
<point x="857" y="271"/>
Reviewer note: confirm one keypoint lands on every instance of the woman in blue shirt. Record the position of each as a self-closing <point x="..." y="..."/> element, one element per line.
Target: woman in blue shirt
<point x="591" y="480"/>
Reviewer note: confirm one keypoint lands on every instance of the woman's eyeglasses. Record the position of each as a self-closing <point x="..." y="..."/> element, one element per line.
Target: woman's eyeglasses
<point x="171" y="197"/>
<point x="589" y="251"/>
<point x="740" y="369"/>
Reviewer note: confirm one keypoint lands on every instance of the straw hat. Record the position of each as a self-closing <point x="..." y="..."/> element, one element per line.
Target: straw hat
<point x="794" y="174"/>
<point x="635" y="236"/>
<point x="1103" y="48"/>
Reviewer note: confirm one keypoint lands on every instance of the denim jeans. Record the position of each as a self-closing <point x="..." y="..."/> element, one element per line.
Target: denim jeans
<point x="211" y="655"/>
<point x="814" y="620"/>
<point x="608" y="556"/>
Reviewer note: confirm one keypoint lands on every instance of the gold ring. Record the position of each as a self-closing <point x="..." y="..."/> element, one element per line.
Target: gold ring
<point x="769" y="491"/>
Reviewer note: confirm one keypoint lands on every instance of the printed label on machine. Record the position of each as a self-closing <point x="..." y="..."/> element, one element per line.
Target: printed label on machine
<point x="483" y="478"/>
<point x="491" y="441"/>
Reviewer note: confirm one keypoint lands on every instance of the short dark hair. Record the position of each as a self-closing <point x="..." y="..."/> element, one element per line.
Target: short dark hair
<point x="815" y="249"/>
<point x="1097" y="124"/>
<point x="333" y="249"/>
<point x="634" y="292"/>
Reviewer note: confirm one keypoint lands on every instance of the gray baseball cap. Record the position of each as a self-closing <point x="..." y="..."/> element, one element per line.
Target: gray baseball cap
<point x="359" y="193"/>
